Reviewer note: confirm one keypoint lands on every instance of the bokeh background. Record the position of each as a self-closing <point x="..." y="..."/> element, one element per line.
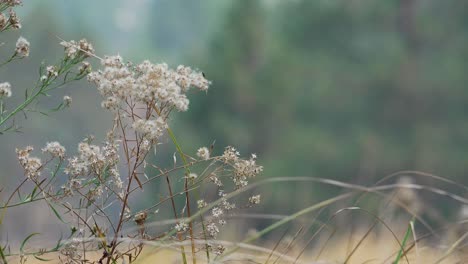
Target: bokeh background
<point x="351" y="90"/>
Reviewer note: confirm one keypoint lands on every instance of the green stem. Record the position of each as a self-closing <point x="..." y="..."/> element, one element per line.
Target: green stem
<point x="20" y="107"/>
<point x="9" y="60"/>
<point x="187" y="171"/>
<point x="28" y="101"/>
<point x="403" y="243"/>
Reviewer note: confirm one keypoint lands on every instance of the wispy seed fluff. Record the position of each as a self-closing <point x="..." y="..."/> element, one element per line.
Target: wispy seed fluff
<point x="54" y="149"/>
<point x="255" y="199"/>
<point x="31" y="165"/>
<point x="67" y="100"/>
<point x="146" y="83"/>
<point x="3" y="20"/>
<point x="22" y="47"/>
<point x="151" y="129"/>
<point x="74" y="49"/>
<point x="13" y="20"/>
<point x="203" y="153"/>
<point x="5" y="90"/>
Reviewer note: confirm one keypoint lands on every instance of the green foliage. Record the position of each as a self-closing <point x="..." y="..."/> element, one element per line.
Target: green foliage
<point x="339" y="89"/>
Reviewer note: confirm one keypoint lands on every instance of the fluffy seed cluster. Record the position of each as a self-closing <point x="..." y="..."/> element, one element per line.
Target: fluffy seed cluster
<point x="254" y="199"/>
<point x="94" y="162"/>
<point x="243" y="169"/>
<point x="140" y="217"/>
<point x="85" y="67"/>
<point x="31" y="165"/>
<point x="238" y="171"/>
<point x="51" y="71"/>
<point x="54" y="149"/>
<point x="181" y="227"/>
<point x="67" y="100"/>
<point x="22" y="47"/>
<point x="151" y="129"/>
<point x="5" y="90"/>
<point x="12" y="21"/>
<point x="146" y="83"/>
<point x="11" y="3"/>
<point x="212" y="229"/>
<point x="201" y="204"/>
<point x="192" y="176"/>
<point x="230" y="154"/>
<point x="203" y="153"/>
<point x="3" y="21"/>
<point x="74" y="49"/>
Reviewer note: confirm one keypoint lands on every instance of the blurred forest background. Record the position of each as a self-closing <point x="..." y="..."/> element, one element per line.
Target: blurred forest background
<point x="351" y="90"/>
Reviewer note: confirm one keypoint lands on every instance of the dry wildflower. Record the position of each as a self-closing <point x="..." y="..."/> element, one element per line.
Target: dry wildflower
<point x="67" y="100"/>
<point x="74" y="49"/>
<point x="201" y="204"/>
<point x="51" y="71"/>
<point x="11" y="3"/>
<point x="3" y="21"/>
<point x="13" y="20"/>
<point x="140" y="218"/>
<point x="192" y="176"/>
<point x="219" y="250"/>
<point x="217" y="212"/>
<point x="90" y="158"/>
<point x="244" y="169"/>
<point x="70" y="48"/>
<point x="90" y="153"/>
<point x="86" y="47"/>
<point x="187" y="78"/>
<point x="66" y="191"/>
<point x="111" y="103"/>
<point x="254" y="199"/>
<point x="22" y="47"/>
<point x="230" y="154"/>
<point x="70" y="250"/>
<point x="85" y="67"/>
<point x="181" y="227"/>
<point x="212" y="229"/>
<point x="227" y="205"/>
<point x="203" y="153"/>
<point x="146" y="83"/>
<point x="54" y="149"/>
<point x="151" y="129"/>
<point x="5" y="90"/>
<point x="247" y="168"/>
<point x="31" y="165"/>
<point x="215" y="180"/>
<point x="76" y="167"/>
<point x="94" y="194"/>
